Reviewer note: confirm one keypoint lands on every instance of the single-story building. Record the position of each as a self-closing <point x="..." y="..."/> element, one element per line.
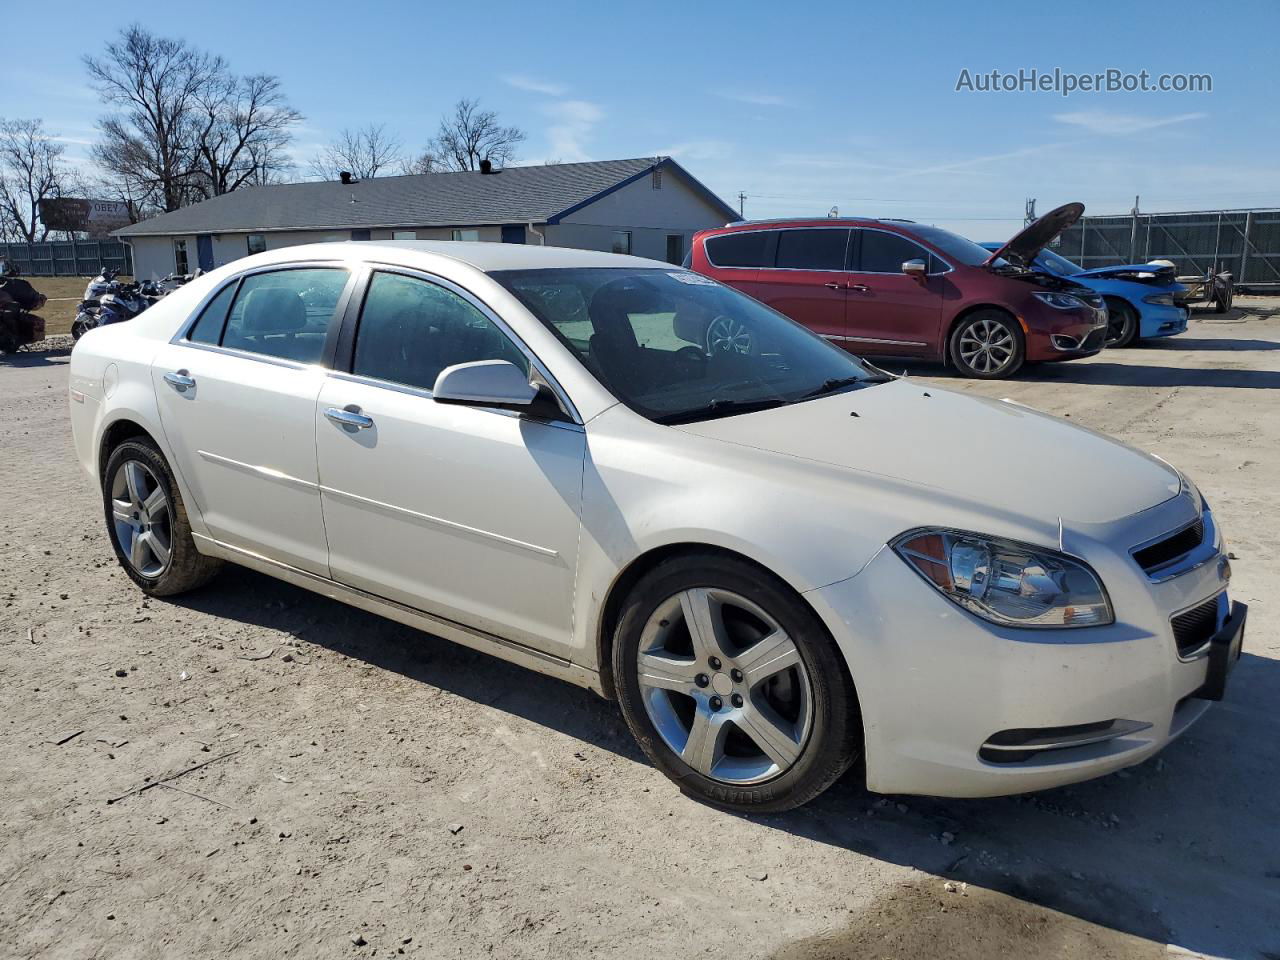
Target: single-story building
<point x="649" y="207"/>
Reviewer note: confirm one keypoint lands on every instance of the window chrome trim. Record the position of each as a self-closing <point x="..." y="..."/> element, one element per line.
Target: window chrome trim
<point x="706" y="253"/>
<point x="535" y="363"/>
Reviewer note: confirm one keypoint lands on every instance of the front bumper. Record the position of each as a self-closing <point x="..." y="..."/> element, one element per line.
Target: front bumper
<point x="937" y="684"/>
<point x="1158" y="320"/>
<point x="1066" y="334"/>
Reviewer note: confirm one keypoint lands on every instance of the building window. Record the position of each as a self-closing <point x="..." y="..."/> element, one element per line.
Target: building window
<point x="657" y="179"/>
<point x="675" y="248"/>
<point x="404" y="234"/>
<point x="180" y="256"/>
<point x="622" y="241"/>
<point x="472" y="235"/>
<point x="256" y="243"/>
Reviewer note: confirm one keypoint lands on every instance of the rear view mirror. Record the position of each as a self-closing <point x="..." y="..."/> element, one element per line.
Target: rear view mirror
<point x="916" y="269"/>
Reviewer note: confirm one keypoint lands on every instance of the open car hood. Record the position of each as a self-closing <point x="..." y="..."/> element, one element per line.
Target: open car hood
<point x="1026" y="245"/>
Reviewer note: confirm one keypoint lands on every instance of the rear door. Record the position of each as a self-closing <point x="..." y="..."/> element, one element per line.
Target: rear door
<point x="807" y="278"/>
<point x="237" y="396"/>
<point x="888" y="311"/>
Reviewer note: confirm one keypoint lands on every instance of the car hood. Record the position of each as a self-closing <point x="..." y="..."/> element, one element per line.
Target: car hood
<point x="992" y="453"/>
<point x="1155" y="273"/>
<point x="1026" y="245"/>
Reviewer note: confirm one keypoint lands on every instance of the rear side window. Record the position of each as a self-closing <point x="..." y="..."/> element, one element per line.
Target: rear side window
<point x="745" y="249"/>
<point x="411" y="329"/>
<point x="208" y="329"/>
<point x="812" y="249"/>
<point x="887" y="252"/>
<point x="285" y="313"/>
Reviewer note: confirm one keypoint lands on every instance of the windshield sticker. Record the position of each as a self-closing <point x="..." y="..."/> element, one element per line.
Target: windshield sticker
<point x="696" y="279"/>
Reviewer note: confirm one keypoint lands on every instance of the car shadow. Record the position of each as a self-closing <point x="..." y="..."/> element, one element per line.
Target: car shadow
<point x="1194" y="343"/>
<point x="1184" y="848"/>
<point x="1107" y="373"/>
<point x="35" y="358"/>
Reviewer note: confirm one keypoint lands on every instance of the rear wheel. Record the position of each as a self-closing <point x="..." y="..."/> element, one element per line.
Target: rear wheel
<point x="732" y="686"/>
<point x="1122" y="323"/>
<point x="147" y="522"/>
<point x="987" y="345"/>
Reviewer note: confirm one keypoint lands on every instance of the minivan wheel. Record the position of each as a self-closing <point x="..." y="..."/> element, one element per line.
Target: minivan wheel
<point x="147" y="522"/>
<point x="987" y="345"/>
<point x="732" y="686"/>
<point x="1122" y="324"/>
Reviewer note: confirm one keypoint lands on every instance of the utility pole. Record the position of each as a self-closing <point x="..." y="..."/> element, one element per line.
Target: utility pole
<point x="1133" y="231"/>
<point x="1029" y="213"/>
<point x="742" y="205"/>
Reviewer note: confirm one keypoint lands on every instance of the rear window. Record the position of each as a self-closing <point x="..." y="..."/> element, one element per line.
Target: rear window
<point x="745" y="249"/>
<point x="822" y="249"/>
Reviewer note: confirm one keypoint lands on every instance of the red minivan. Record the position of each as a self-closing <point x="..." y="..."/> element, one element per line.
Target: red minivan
<point x="904" y="289"/>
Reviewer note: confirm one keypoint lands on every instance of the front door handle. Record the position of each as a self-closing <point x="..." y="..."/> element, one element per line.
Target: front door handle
<point x="834" y="286"/>
<point x="180" y="381"/>
<point x="349" y="418"/>
<point x="859" y="287"/>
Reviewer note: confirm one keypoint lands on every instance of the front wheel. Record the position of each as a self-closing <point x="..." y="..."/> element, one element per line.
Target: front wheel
<point x="987" y="345"/>
<point x="1122" y="324"/>
<point x="732" y="686"/>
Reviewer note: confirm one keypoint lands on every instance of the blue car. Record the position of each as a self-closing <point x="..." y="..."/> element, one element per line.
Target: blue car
<point x="1141" y="298"/>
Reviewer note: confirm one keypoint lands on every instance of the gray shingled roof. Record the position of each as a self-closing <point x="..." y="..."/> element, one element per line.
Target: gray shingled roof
<point x="513" y="195"/>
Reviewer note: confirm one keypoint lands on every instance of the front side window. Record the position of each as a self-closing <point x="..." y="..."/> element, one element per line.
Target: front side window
<point x="883" y="252"/>
<point x="256" y="243"/>
<point x="411" y="329"/>
<point x="466" y="235"/>
<point x="180" y="256"/>
<point x="747" y="248"/>
<point x="285" y="313"/>
<point x="676" y="346"/>
<point x="621" y="241"/>
<point x="812" y="249"/>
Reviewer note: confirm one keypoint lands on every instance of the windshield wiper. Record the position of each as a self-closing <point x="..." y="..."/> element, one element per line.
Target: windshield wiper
<point x="720" y="407"/>
<point x="834" y="384"/>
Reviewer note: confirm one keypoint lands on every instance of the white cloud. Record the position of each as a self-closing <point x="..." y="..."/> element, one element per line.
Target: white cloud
<point x="535" y="85"/>
<point x="754" y="98"/>
<point x="572" y="123"/>
<point x="698" y="150"/>
<point x="1113" y="124"/>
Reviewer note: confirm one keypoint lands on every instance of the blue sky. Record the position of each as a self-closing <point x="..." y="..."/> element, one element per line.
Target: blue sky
<point x="801" y="106"/>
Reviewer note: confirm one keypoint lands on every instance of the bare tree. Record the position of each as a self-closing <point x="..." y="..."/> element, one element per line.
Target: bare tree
<point x="244" y="130"/>
<point x="471" y="136"/>
<point x="31" y="170"/>
<point x="425" y="162"/>
<point x="364" y="153"/>
<point x="157" y="83"/>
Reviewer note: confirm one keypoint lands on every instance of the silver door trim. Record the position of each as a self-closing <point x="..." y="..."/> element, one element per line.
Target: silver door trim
<point x="267" y="473"/>
<point x="896" y="343"/>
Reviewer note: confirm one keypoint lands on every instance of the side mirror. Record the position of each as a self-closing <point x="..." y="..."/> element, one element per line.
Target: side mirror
<point x="495" y="383"/>
<point x="916" y="269"/>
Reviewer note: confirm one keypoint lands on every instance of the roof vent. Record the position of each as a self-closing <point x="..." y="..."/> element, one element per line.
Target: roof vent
<point x="346" y="177"/>
<point x="486" y="165"/>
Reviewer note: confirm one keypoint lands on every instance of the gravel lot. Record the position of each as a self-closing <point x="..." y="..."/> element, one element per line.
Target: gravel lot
<point x="370" y="790"/>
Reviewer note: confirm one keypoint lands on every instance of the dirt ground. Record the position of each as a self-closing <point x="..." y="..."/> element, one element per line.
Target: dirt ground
<point x="371" y="791"/>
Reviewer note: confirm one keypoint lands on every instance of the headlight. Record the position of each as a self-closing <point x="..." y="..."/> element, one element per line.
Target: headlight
<point x="1008" y="583"/>
<point x="1060" y="301"/>
<point x="1163" y="299"/>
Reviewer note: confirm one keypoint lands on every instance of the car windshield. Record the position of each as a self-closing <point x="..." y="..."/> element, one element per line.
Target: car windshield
<point x="1058" y="264"/>
<point x="677" y="346"/>
<point x="953" y="245"/>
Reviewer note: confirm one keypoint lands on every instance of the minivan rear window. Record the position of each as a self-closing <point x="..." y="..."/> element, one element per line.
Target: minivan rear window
<point x="745" y="249"/>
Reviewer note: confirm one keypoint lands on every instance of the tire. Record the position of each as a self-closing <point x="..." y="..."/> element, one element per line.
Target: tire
<point x="147" y="522"/>
<point x="1122" y="324"/>
<point x="1222" y="301"/>
<point x="1008" y="348"/>
<point x="794" y="694"/>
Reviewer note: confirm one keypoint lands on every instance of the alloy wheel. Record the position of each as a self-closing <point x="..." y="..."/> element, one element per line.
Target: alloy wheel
<point x="724" y="686"/>
<point x="142" y="519"/>
<point x="728" y="335"/>
<point x="986" y="345"/>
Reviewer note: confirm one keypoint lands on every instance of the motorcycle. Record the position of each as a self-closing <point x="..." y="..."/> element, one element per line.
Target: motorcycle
<point x="107" y="300"/>
<point x="19" y="325"/>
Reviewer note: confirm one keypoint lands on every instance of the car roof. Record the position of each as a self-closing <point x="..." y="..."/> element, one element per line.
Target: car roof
<point x="783" y="222"/>
<point x="484" y="256"/>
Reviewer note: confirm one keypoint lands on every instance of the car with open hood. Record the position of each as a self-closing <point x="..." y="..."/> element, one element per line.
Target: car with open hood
<point x="1143" y="299"/>
<point x="778" y="559"/>
<point x="896" y="288"/>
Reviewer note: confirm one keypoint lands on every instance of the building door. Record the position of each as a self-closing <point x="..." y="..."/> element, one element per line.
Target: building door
<point x="513" y="233"/>
<point x="361" y="235"/>
<point x="204" y="251"/>
<point x="675" y="248"/>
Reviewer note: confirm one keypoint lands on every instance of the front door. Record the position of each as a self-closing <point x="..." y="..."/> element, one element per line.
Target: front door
<point x="237" y="402"/>
<point x="204" y="251"/>
<point x="888" y="311"/>
<point x="466" y="513"/>
<point x="807" y="281"/>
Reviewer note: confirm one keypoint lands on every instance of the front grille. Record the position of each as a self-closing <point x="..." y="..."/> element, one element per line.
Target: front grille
<point x="1170" y="548"/>
<point x="1193" y="628"/>
<point x="1094" y="340"/>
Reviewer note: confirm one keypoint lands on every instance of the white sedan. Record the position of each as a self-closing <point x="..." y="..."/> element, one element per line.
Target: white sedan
<point x="779" y="560"/>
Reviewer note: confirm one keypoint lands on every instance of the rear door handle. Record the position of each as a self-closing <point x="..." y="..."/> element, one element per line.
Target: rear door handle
<point x="834" y="286"/>
<point x="860" y="287"/>
<point x="180" y="381"/>
<point x="349" y="417"/>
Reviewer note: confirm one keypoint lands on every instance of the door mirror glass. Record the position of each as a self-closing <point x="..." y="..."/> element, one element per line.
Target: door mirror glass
<point x="916" y="269"/>
<point x="485" y="383"/>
